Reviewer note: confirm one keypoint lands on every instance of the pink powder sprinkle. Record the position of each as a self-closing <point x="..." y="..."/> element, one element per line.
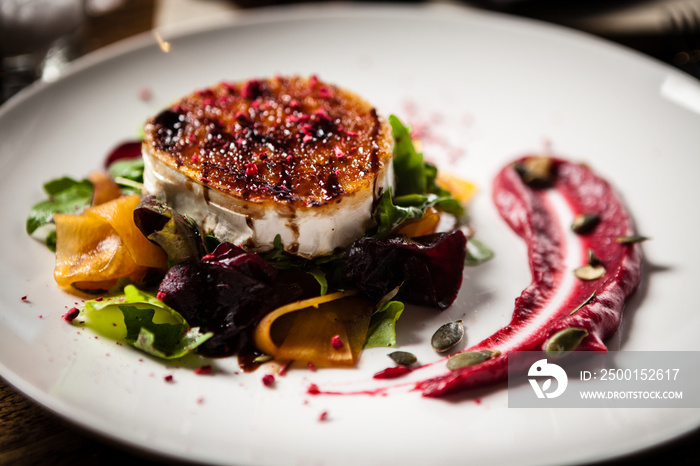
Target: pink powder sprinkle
<point x="268" y="380"/>
<point x="323" y="416"/>
<point x="200" y="400"/>
<point x="203" y="370"/>
<point x="71" y="314"/>
<point x="145" y="93"/>
<point x="251" y="169"/>
<point x="336" y="342"/>
<point x="168" y="378"/>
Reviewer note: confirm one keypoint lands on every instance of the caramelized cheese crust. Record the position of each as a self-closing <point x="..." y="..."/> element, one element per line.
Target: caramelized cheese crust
<point x="290" y="140"/>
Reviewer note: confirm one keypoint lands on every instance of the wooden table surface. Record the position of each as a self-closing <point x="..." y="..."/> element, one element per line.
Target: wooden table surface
<point x="30" y="434"/>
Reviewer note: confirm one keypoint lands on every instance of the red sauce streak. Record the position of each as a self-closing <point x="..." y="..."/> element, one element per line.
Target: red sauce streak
<point x="528" y="213"/>
<point x="392" y="372"/>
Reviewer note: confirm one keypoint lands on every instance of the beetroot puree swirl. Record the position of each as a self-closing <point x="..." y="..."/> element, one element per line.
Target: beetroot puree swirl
<point x="545" y="306"/>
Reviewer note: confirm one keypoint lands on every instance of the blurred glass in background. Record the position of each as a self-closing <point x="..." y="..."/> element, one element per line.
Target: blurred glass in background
<point x="37" y="39"/>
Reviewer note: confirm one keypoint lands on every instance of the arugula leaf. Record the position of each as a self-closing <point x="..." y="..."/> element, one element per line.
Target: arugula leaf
<point x="382" y="325"/>
<point x="128" y="173"/>
<point x="477" y="253"/>
<point x="66" y="196"/>
<point x="144" y="322"/>
<point x="409" y="168"/>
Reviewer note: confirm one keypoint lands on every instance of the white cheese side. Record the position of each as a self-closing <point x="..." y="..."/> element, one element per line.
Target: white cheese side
<point x="308" y="231"/>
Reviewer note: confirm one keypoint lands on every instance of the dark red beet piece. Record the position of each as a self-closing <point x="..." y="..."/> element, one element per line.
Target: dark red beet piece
<point x="127" y="150"/>
<point x="430" y="267"/>
<point x="226" y="293"/>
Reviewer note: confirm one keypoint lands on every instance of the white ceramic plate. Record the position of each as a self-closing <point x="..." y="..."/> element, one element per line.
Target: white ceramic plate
<point x="489" y="89"/>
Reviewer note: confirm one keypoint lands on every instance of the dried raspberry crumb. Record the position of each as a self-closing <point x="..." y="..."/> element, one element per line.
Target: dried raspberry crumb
<point x="339" y="154"/>
<point x="251" y="89"/>
<point x="289" y="158"/>
<point x="195" y="158"/>
<point x="336" y="342"/>
<point x="284" y="368"/>
<point x="321" y="113"/>
<point x="324" y="92"/>
<point x="268" y="380"/>
<point x="313" y="80"/>
<point x="255" y="104"/>
<point x="263" y="156"/>
<point x="207" y="257"/>
<point x="71" y="314"/>
<point x="160" y="295"/>
<point x="294" y="103"/>
<point x="307" y="137"/>
<point x="168" y="378"/>
<point x="203" y="370"/>
<point x="99" y="298"/>
<point x="204" y="179"/>
<point x="240" y="116"/>
<point x="311" y="367"/>
<point x="323" y="416"/>
<point x="145" y="93"/>
<point x="200" y="401"/>
<point x="313" y="389"/>
<point x="337" y="173"/>
<point x="251" y="169"/>
<point x="23" y="298"/>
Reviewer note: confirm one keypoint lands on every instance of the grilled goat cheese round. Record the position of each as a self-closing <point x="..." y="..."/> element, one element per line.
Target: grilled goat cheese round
<point x="287" y="156"/>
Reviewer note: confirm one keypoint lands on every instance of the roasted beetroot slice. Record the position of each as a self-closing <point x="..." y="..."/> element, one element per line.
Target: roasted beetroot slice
<point x="124" y="151"/>
<point x="556" y="300"/>
<point x="428" y="268"/>
<point x="226" y="293"/>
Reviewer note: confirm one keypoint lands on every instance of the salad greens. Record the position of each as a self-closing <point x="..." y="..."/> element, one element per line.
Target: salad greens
<point x="128" y="174"/>
<point x="144" y="322"/>
<point x="66" y="196"/>
<point x="150" y="325"/>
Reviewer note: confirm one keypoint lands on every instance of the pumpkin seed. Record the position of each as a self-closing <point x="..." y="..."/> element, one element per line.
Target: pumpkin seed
<point x="537" y="172"/>
<point x="564" y="341"/>
<point x="631" y="239"/>
<point x="470" y="358"/>
<point x="593" y="259"/>
<point x="403" y="358"/>
<point x="585" y="223"/>
<point x="587" y="300"/>
<point x="589" y="272"/>
<point x="447" y="336"/>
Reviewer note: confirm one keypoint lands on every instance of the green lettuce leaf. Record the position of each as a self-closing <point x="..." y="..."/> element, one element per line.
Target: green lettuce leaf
<point x="382" y="325"/>
<point x="128" y="174"/>
<point x="477" y="253"/>
<point x="144" y="322"/>
<point x="66" y="196"/>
